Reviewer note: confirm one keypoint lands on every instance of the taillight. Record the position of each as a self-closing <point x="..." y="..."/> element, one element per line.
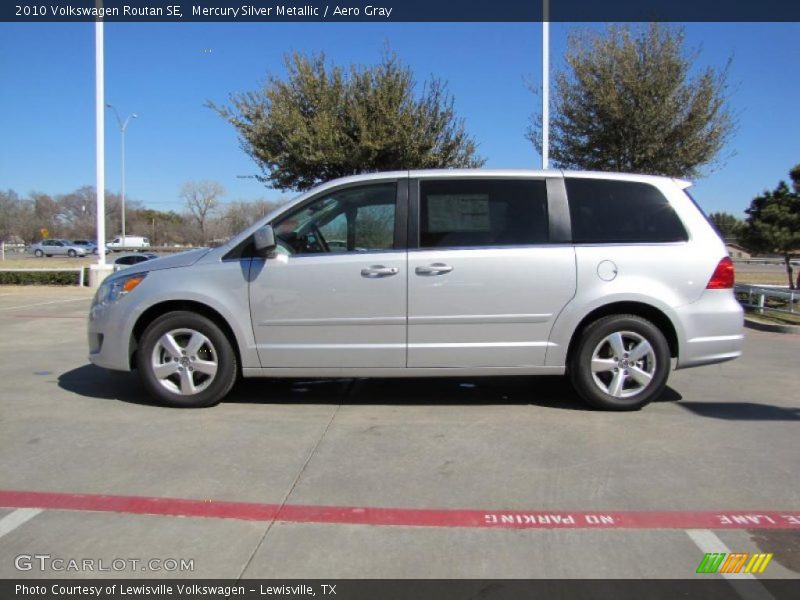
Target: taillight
<point x="722" y="279"/>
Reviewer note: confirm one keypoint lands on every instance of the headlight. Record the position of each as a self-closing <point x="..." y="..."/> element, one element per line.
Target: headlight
<point x="112" y="290"/>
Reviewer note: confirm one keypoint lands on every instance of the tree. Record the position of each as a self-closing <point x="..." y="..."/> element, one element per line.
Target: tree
<point x="324" y="122"/>
<point x="628" y="103"/>
<point x="10" y="208"/>
<point x="773" y="222"/>
<point x="78" y="210"/>
<point x="239" y="215"/>
<point x="47" y="213"/>
<point x="727" y="225"/>
<point x="162" y="227"/>
<point x="201" y="198"/>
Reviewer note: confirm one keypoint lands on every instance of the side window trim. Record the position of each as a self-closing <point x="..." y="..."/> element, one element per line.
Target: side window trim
<point x="560" y="231"/>
<point x="413" y="215"/>
<point x="401" y="215"/>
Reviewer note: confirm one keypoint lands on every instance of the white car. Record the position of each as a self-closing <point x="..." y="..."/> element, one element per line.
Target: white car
<point x="130" y="241"/>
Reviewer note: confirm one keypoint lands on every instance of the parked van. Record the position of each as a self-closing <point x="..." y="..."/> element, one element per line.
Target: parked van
<point x="608" y="278"/>
<point x="130" y="241"/>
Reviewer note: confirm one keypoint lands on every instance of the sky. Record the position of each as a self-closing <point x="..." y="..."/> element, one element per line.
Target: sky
<point x="166" y="72"/>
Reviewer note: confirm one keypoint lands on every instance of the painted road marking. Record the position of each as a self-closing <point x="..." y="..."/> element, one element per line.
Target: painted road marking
<point x="13" y="520"/>
<point x="708" y="542"/>
<point x="415" y="517"/>
<point x="19" y="316"/>
<point x="44" y="303"/>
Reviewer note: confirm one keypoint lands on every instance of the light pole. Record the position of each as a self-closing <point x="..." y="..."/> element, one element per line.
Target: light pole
<point x="123" y="125"/>
<point x="545" y="84"/>
<point x="100" y="143"/>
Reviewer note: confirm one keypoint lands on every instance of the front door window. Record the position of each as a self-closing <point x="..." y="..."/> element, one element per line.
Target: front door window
<point x="360" y="219"/>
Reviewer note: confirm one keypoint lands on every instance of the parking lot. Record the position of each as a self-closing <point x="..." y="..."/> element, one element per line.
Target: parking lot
<point x="450" y="478"/>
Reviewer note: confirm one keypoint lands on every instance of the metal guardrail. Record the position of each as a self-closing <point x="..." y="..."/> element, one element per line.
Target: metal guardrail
<point x="78" y="270"/>
<point x="766" y="261"/>
<point x="759" y="295"/>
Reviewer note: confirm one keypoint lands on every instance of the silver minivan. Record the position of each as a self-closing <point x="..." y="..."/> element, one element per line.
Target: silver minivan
<point x="608" y="278"/>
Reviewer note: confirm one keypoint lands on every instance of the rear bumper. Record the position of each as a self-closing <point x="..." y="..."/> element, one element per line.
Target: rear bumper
<point x="710" y="330"/>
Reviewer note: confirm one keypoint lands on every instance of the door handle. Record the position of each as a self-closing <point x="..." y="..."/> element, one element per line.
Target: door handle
<point x="377" y="271"/>
<point x="434" y="269"/>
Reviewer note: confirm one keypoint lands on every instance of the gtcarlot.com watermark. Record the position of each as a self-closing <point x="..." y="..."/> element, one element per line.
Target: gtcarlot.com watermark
<point x="47" y="562"/>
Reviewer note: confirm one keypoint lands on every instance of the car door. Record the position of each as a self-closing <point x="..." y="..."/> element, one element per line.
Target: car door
<point x="59" y="248"/>
<point x="489" y="269"/>
<point x="334" y="292"/>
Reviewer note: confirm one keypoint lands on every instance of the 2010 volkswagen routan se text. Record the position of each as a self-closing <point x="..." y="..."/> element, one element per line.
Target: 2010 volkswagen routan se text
<point x="605" y="277"/>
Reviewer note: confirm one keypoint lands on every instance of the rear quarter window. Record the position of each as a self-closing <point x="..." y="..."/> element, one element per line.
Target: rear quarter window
<point x="608" y="211"/>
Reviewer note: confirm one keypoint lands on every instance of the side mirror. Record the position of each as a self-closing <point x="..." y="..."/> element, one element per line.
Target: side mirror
<point x="264" y="240"/>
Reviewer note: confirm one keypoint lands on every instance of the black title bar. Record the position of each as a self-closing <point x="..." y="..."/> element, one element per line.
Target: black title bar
<point x="712" y="588"/>
<point x="400" y="11"/>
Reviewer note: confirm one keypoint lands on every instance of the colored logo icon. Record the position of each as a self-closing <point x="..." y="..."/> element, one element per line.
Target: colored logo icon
<point x="734" y="562"/>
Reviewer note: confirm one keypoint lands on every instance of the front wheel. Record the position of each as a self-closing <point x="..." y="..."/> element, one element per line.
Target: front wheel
<point x="621" y="362"/>
<point x="72" y="253"/>
<point x="186" y="361"/>
<point x="38" y="254"/>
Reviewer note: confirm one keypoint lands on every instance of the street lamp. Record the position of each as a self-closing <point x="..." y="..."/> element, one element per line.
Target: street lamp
<point x="123" y="125"/>
<point x="545" y="84"/>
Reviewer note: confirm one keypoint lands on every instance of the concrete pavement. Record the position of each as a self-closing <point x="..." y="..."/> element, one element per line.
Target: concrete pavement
<point x="723" y="438"/>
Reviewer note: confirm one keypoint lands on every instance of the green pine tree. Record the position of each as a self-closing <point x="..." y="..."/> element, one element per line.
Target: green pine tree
<point x="773" y="222"/>
<point x="727" y="225"/>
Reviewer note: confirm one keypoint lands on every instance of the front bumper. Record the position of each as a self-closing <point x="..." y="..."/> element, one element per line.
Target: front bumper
<point x="710" y="330"/>
<point x="109" y="333"/>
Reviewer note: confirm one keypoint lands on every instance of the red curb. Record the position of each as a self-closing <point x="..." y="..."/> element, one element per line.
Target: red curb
<point x="414" y="517"/>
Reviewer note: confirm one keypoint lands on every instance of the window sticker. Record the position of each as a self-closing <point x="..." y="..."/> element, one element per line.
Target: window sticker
<point x="458" y="212"/>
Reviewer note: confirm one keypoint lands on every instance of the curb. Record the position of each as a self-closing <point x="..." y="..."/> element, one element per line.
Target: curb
<point x="752" y="324"/>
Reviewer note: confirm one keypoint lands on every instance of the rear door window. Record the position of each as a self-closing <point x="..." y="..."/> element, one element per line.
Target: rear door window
<point x="462" y="213"/>
<point x="608" y="211"/>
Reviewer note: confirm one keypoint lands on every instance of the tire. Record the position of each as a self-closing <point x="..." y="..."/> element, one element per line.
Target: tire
<point x="172" y="385"/>
<point x="597" y="354"/>
<point x="72" y="253"/>
<point x="38" y="253"/>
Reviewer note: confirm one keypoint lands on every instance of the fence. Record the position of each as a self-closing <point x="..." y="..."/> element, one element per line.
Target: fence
<point x="766" y="298"/>
<point x="11" y="250"/>
<point x="766" y="261"/>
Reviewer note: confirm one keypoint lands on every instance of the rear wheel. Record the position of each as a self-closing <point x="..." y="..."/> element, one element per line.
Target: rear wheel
<point x="185" y="360"/>
<point x="621" y="362"/>
<point x="72" y="253"/>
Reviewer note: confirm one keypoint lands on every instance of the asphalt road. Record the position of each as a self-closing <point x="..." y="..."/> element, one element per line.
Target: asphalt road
<point x="495" y="478"/>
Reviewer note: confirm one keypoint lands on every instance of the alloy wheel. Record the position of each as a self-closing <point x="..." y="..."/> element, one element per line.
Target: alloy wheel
<point x="184" y="361"/>
<point x="623" y="364"/>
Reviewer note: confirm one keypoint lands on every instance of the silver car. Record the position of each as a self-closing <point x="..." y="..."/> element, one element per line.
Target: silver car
<point x="57" y="248"/>
<point x="608" y="278"/>
<point x="133" y="258"/>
